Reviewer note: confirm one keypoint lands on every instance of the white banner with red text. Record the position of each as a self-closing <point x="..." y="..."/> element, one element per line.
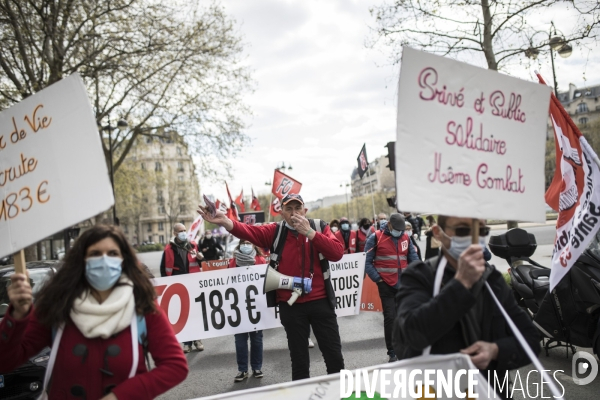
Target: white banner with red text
<point x="439" y="377"/>
<point x="480" y="135"/>
<point x="229" y="301"/>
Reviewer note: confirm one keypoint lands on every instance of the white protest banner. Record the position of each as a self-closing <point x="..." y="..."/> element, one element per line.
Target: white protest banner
<point x="445" y="377"/>
<point x="478" y="137"/>
<point x="228" y="301"/>
<point x="53" y="172"/>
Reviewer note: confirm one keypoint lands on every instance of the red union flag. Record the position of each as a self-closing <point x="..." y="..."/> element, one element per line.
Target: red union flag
<point x="255" y="205"/>
<point x="194" y="228"/>
<point x="574" y="192"/>
<point x="240" y="201"/>
<point x="284" y="185"/>
<point x="275" y="207"/>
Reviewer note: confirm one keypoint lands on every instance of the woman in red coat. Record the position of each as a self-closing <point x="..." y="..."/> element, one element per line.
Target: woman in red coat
<point x="90" y="313"/>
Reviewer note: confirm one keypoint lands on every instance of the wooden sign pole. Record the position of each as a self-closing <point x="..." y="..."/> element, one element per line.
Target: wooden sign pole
<point x="20" y="262"/>
<point x="475" y="231"/>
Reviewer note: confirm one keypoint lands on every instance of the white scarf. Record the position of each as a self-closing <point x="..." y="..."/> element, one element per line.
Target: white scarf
<point x="104" y="320"/>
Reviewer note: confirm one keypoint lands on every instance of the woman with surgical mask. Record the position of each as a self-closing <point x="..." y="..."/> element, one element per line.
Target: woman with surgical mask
<point x="100" y="317"/>
<point x="245" y="255"/>
<point x="334" y="225"/>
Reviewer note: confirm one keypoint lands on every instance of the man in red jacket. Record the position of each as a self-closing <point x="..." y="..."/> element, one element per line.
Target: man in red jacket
<point x="299" y="258"/>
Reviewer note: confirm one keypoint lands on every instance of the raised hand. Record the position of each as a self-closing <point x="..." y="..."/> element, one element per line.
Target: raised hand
<point x="219" y="219"/>
<point x="20" y="295"/>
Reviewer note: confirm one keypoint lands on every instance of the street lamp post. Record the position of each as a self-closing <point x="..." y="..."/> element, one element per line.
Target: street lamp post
<point x="556" y="43"/>
<point x="347" y="206"/>
<point x="121" y="126"/>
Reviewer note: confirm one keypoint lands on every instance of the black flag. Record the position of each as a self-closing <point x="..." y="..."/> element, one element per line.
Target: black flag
<point x="363" y="164"/>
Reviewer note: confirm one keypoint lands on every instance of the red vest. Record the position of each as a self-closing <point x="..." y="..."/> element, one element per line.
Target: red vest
<point x="389" y="259"/>
<point x="361" y="239"/>
<point x="193" y="265"/>
<point x="351" y="242"/>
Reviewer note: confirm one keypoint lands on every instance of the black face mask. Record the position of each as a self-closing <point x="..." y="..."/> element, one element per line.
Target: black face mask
<point x="366" y="226"/>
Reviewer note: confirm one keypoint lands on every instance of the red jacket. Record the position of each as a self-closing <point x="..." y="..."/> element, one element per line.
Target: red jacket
<point x="291" y="257"/>
<point x="351" y="248"/>
<point x="361" y="239"/>
<point x="389" y="257"/>
<point x="27" y="337"/>
<point x="257" y="261"/>
<point x="169" y="259"/>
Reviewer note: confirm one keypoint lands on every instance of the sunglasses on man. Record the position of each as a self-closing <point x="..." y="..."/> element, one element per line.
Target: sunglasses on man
<point x="462" y="231"/>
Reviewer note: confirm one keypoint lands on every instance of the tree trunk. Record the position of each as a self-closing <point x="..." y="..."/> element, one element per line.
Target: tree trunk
<point x="488" y="47"/>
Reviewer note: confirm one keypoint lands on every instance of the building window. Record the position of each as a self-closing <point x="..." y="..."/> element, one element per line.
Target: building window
<point x="583" y="121"/>
<point x="161" y="209"/>
<point x="150" y="238"/>
<point x="159" y="196"/>
<point x="148" y="139"/>
<point x="182" y="208"/>
<point x="582" y="108"/>
<point x="143" y="166"/>
<point x="157" y="166"/>
<point x="181" y="194"/>
<point x="149" y="227"/>
<point x="179" y="153"/>
<point x="179" y="166"/>
<point x="161" y="239"/>
<point x="161" y="226"/>
<point x="180" y="178"/>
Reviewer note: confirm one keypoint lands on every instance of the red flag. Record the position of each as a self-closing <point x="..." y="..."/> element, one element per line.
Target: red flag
<point x="255" y="205"/>
<point x="275" y="208"/>
<point x="232" y="213"/>
<point x="574" y="191"/>
<point x="240" y="201"/>
<point x="284" y="185"/>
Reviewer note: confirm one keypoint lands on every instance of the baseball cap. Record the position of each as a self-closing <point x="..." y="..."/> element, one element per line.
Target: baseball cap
<point x="292" y="197"/>
<point x="397" y="221"/>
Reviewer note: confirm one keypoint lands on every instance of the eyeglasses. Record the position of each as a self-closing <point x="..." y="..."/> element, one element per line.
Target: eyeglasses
<point x="462" y="231"/>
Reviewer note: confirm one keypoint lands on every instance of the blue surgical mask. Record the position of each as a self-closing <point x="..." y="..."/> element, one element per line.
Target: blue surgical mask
<point x="103" y="272"/>
<point x="182" y="236"/>
<point x="246" y="248"/>
<point x="460" y="244"/>
<point x="396" y="233"/>
<point x="345" y="227"/>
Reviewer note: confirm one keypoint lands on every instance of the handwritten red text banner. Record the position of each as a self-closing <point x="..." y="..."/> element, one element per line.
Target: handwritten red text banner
<point x="478" y="137"/>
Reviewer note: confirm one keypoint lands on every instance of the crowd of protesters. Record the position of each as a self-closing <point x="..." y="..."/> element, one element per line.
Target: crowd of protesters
<point x="113" y="300"/>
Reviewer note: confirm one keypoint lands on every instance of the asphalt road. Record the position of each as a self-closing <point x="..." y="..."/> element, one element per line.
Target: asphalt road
<point x="212" y="371"/>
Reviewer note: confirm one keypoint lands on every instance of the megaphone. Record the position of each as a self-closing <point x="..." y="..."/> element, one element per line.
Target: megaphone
<point x="275" y="280"/>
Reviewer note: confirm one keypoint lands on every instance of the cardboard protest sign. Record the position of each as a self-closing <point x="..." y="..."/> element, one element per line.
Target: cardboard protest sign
<point x="231" y="300"/>
<point x="53" y="172"/>
<point x="477" y="137"/>
<point x="213" y="265"/>
<point x="253" y="217"/>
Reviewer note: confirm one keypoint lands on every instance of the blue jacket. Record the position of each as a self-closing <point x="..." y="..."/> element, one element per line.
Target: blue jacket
<point x="370" y="269"/>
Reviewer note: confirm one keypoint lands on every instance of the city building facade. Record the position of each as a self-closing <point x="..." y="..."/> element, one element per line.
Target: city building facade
<point x="378" y="178"/>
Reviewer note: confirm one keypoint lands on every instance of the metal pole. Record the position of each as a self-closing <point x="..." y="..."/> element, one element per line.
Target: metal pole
<point x="112" y="176"/>
<point x="372" y="197"/>
<point x="347" y="206"/>
<point x="270" y="205"/>
<point x="552" y="59"/>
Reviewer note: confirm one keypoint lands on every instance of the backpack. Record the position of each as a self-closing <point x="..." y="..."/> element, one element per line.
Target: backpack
<point x="275" y="258"/>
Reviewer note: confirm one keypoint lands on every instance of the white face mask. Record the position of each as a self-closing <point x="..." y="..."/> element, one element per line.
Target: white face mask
<point x="459" y="244"/>
<point x="334" y="229"/>
<point x="182" y="236"/>
<point x="246" y="248"/>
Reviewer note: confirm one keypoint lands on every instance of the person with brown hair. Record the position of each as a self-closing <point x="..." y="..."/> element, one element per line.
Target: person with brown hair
<point x="99" y="315"/>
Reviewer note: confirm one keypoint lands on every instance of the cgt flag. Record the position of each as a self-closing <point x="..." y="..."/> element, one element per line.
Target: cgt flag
<point x="363" y="163"/>
<point x="255" y="205"/>
<point x="574" y="192"/>
<point x="284" y="185"/>
<point x="194" y="228"/>
<point x="240" y="201"/>
<point x="232" y="212"/>
<point x="275" y="208"/>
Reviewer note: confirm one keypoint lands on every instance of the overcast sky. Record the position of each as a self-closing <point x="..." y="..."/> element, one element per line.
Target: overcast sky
<point x="320" y="93"/>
